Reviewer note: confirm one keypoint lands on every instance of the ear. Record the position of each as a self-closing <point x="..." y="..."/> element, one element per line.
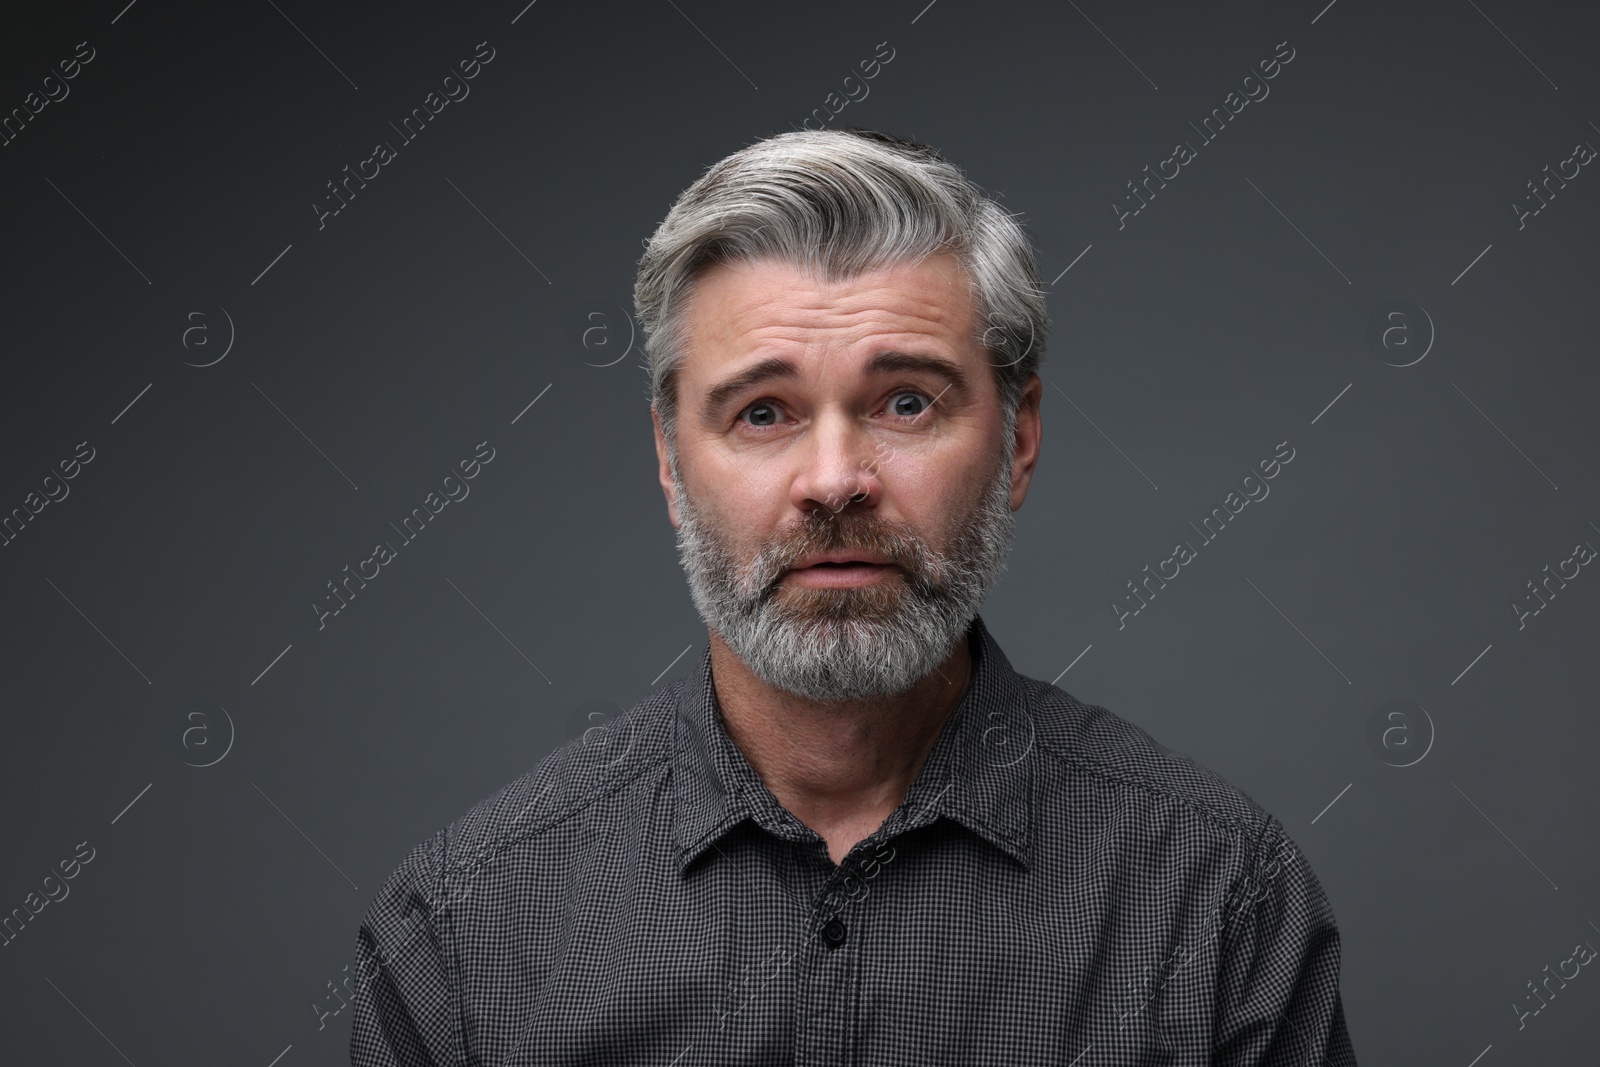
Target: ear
<point x="1030" y="433"/>
<point x="664" y="468"/>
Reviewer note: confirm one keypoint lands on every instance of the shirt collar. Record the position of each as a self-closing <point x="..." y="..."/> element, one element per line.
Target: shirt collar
<point x="978" y="773"/>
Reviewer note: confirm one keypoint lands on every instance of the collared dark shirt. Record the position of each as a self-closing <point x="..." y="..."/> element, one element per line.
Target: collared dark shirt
<point x="1055" y="888"/>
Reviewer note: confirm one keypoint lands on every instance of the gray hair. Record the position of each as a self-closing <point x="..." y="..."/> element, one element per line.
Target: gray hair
<point x="842" y="202"/>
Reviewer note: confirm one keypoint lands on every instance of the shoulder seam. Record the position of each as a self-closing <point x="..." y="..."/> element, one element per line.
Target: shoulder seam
<point x="511" y="839"/>
<point x="1104" y="772"/>
<point x="1101" y="770"/>
<point x="1254" y="877"/>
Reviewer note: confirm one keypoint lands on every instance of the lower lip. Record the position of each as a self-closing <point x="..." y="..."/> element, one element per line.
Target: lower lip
<point x="841" y="577"/>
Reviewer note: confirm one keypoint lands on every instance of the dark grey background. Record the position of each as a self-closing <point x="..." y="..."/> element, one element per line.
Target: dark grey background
<point x="377" y="352"/>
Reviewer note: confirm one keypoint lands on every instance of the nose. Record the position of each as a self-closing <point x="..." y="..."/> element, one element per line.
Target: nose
<point x="839" y="467"/>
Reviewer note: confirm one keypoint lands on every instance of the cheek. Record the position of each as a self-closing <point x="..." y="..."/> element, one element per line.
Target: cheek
<point x="934" y="497"/>
<point x="735" y="521"/>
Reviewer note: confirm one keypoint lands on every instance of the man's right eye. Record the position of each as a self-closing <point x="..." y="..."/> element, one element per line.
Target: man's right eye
<point x="760" y="412"/>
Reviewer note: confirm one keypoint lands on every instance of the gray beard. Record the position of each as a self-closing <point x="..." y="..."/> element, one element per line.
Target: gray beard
<point x="832" y="645"/>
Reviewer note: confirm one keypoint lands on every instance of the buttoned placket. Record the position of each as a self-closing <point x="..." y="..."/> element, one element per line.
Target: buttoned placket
<point x="831" y="921"/>
<point x="825" y="1008"/>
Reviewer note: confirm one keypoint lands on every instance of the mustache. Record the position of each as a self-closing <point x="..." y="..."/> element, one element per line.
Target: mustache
<point x="822" y="532"/>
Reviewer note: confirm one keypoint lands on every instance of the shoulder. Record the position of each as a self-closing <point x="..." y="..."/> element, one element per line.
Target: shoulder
<point x="607" y="758"/>
<point x="1088" y="743"/>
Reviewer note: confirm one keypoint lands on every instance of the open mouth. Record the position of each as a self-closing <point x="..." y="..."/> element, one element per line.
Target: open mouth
<point x="848" y="565"/>
<point x="838" y="575"/>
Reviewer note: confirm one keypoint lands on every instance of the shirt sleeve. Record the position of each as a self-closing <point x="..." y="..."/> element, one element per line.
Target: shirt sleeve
<point x="1278" y="1002"/>
<point x="405" y="1009"/>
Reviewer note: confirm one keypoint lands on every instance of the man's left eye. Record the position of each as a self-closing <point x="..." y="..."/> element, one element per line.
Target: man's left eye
<point x="897" y="406"/>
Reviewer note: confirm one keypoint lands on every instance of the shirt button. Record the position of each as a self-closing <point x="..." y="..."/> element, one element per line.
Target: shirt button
<point x="833" y="934"/>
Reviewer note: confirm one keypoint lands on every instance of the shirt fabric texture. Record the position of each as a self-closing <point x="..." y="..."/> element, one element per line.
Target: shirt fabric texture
<point x="1056" y="888"/>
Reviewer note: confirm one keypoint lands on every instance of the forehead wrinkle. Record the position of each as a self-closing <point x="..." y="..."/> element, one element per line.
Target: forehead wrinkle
<point x="810" y="313"/>
<point x="827" y="325"/>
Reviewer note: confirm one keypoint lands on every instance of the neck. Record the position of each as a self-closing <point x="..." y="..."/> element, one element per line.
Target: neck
<point x="841" y="768"/>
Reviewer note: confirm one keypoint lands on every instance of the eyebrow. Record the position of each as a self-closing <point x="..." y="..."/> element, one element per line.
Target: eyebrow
<point x="718" y="397"/>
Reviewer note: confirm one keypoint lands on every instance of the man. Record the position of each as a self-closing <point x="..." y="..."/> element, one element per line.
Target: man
<point x="853" y="834"/>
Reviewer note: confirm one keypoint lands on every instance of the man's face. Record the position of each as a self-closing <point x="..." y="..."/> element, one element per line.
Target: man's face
<point x="853" y="419"/>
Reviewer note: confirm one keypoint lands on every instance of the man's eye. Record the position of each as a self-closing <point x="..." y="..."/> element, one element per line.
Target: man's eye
<point x="920" y="404"/>
<point x="760" y="412"/>
<point x="907" y="404"/>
